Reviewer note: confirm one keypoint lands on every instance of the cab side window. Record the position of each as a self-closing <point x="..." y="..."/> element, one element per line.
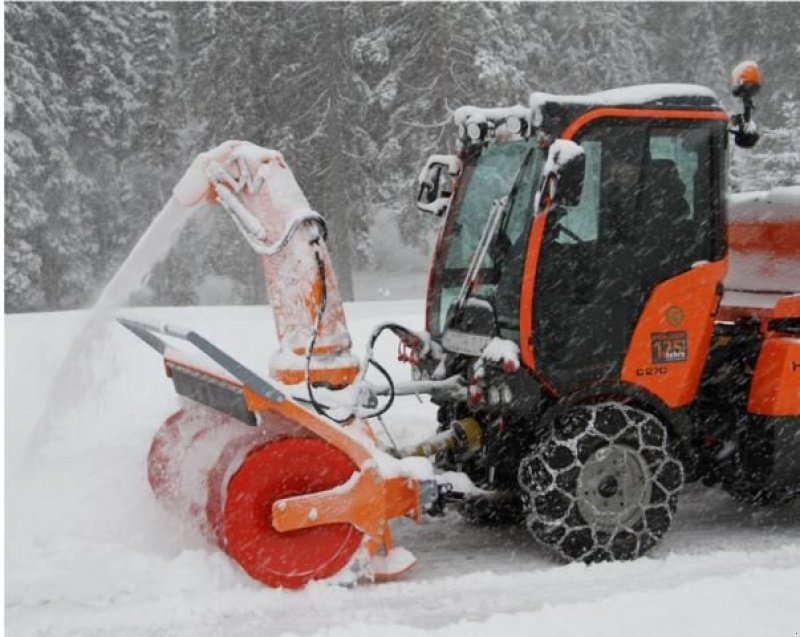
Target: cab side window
<point x="578" y="224"/>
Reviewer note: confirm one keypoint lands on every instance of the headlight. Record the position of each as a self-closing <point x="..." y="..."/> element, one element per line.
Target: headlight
<point x="506" y="395"/>
<point x="513" y="124"/>
<point x="494" y="396"/>
<point x="474" y="131"/>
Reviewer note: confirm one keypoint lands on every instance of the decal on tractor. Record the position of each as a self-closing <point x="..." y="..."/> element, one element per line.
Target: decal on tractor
<point x="651" y="371"/>
<point x="674" y="316"/>
<point x="668" y="347"/>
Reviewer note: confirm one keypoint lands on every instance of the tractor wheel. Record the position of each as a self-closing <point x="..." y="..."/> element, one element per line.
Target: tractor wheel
<point x="750" y="477"/>
<point x="603" y="486"/>
<point x="279" y="469"/>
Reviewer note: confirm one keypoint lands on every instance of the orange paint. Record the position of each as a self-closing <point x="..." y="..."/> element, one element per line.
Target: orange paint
<point x="584" y="119"/>
<point x="780" y="239"/>
<point x="334" y="378"/>
<point x="369" y="503"/>
<point x="788" y="307"/>
<point x="746" y="74"/>
<point x="282" y="467"/>
<point x="695" y="292"/>
<point x="434" y="278"/>
<point x="775" y="390"/>
<point x="526" y="296"/>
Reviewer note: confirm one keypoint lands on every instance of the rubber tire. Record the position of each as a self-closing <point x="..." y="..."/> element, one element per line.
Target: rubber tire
<point x="549" y="476"/>
<point x="748" y="479"/>
<point x="279" y="469"/>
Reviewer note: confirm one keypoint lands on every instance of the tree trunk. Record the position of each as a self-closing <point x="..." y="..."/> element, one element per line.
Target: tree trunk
<point x="336" y="208"/>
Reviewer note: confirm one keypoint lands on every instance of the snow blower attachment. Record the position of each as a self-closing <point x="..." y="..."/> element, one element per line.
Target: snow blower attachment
<point x="288" y="494"/>
<point x="293" y="497"/>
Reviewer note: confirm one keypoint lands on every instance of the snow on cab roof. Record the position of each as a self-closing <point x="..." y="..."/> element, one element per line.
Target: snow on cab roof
<point x="473" y="113"/>
<point x="626" y="96"/>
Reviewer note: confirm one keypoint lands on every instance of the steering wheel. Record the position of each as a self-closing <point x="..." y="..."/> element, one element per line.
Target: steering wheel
<point x="558" y="214"/>
<point x="562" y="228"/>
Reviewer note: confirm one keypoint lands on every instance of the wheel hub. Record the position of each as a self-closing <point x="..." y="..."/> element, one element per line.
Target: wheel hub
<point x="612" y="486"/>
<point x="608" y="486"/>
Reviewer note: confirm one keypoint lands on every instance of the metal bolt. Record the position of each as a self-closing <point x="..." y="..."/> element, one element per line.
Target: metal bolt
<point x="312" y="514"/>
<point x="281" y="506"/>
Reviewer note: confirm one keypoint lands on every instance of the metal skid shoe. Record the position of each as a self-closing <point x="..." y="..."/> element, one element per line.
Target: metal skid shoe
<point x="288" y="495"/>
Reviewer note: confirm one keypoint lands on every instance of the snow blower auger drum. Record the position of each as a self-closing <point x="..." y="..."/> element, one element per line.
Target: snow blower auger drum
<point x="288" y="494"/>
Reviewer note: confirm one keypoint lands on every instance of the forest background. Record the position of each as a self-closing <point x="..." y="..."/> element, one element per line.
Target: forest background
<point x="107" y="103"/>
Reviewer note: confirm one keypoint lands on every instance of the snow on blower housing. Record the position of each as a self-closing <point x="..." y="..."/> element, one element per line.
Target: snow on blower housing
<point x="586" y="355"/>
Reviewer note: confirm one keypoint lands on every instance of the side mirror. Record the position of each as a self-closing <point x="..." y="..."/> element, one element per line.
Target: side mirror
<point x="437" y="182"/>
<point x="563" y="173"/>
<point x="745" y="83"/>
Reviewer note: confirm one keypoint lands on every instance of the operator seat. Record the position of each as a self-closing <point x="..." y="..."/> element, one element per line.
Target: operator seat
<point x="665" y="218"/>
<point x="665" y="190"/>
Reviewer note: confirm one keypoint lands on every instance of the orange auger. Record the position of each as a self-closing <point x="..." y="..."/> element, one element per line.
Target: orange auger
<point x="293" y="499"/>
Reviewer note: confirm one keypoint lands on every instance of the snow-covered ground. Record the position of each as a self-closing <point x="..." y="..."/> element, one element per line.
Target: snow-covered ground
<point x="90" y="552"/>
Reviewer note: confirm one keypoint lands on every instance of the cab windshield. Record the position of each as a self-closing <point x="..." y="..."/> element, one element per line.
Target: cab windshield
<point x="487" y="178"/>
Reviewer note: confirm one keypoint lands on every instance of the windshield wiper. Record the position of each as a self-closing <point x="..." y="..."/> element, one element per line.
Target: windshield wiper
<point x="510" y="198"/>
<point x="498" y="217"/>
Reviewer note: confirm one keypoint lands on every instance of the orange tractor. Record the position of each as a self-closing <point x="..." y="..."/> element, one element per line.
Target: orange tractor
<point x="585" y="354"/>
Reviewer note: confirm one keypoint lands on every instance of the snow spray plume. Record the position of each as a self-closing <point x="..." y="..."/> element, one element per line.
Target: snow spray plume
<point x="77" y="376"/>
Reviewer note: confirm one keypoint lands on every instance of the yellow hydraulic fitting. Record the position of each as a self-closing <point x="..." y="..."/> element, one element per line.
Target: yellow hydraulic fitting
<point x="464" y="436"/>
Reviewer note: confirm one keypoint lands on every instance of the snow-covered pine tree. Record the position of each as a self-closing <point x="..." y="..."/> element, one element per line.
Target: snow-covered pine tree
<point x="35" y="113"/>
<point x="107" y="104"/>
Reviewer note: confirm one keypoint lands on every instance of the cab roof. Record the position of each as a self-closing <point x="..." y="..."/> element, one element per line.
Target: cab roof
<point x="551" y="111"/>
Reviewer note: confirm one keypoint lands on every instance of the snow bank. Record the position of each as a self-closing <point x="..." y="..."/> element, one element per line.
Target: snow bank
<point x="89" y="552"/>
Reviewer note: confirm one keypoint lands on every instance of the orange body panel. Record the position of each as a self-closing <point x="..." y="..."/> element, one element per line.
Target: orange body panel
<point x="779" y="238"/>
<point x="788" y="307"/>
<point x="668" y="349"/>
<point x="526" y="298"/>
<point x="775" y="390"/>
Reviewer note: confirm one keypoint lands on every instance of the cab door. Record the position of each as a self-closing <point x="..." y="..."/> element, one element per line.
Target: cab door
<point x="647" y="214"/>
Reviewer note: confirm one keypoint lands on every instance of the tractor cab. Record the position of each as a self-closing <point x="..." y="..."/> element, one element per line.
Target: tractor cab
<point x="568" y="272"/>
